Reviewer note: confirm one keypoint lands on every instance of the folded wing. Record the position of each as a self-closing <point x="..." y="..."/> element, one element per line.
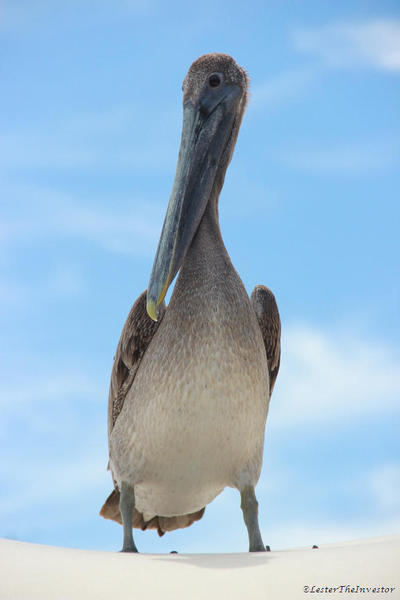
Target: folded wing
<point x="136" y="336"/>
<point x="266" y="309"/>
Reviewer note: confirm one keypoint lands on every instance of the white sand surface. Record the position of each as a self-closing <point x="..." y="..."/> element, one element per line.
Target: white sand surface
<point x="31" y="571"/>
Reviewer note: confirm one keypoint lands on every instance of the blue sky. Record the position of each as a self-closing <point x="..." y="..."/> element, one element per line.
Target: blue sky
<point x="89" y="130"/>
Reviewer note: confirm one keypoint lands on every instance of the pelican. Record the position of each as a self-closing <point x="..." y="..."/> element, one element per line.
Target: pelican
<point x="191" y="382"/>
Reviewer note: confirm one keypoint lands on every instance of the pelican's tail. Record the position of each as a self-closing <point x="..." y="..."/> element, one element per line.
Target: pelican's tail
<point x="110" y="510"/>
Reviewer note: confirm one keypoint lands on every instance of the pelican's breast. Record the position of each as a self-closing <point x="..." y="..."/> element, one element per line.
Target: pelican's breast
<point x="193" y="422"/>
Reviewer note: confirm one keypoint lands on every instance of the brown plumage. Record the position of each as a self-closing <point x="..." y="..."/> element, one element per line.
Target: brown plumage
<point x="110" y="510"/>
<point x="136" y="335"/>
<point x="266" y="309"/>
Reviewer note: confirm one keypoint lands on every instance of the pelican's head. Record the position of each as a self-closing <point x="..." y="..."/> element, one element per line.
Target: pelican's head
<point x="214" y="98"/>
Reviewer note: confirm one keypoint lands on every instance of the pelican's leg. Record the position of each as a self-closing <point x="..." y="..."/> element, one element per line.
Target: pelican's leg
<point x="249" y="506"/>
<point x="126" y="506"/>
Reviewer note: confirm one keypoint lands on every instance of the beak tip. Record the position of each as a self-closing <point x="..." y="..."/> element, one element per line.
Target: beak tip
<point x="151" y="308"/>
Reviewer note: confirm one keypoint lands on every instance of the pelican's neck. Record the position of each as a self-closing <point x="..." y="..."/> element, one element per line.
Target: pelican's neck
<point x="207" y="252"/>
<point x="207" y="279"/>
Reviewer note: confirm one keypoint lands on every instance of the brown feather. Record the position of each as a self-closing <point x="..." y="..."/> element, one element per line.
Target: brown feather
<point x="136" y="336"/>
<point x="266" y="309"/>
<point x="110" y="510"/>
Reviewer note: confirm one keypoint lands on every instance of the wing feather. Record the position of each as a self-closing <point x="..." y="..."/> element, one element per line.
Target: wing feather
<point x="266" y="309"/>
<point x="136" y="336"/>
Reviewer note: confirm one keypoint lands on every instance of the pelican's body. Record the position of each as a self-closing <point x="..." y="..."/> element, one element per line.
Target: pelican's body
<point x="203" y="389"/>
<point x="190" y="386"/>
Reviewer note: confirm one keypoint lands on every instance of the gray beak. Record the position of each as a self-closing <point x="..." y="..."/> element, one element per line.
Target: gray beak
<point x="206" y="131"/>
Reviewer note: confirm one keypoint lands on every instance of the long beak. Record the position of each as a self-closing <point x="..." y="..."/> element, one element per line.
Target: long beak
<point x="206" y="130"/>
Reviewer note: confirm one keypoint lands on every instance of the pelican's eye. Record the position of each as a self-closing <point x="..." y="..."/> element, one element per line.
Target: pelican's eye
<point x="214" y="80"/>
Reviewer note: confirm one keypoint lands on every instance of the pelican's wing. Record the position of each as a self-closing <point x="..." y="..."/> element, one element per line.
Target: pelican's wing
<point x="136" y="335"/>
<point x="266" y="309"/>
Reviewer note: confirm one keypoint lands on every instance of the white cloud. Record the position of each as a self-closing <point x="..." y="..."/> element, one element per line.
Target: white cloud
<point x="374" y="43"/>
<point x="329" y="378"/>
